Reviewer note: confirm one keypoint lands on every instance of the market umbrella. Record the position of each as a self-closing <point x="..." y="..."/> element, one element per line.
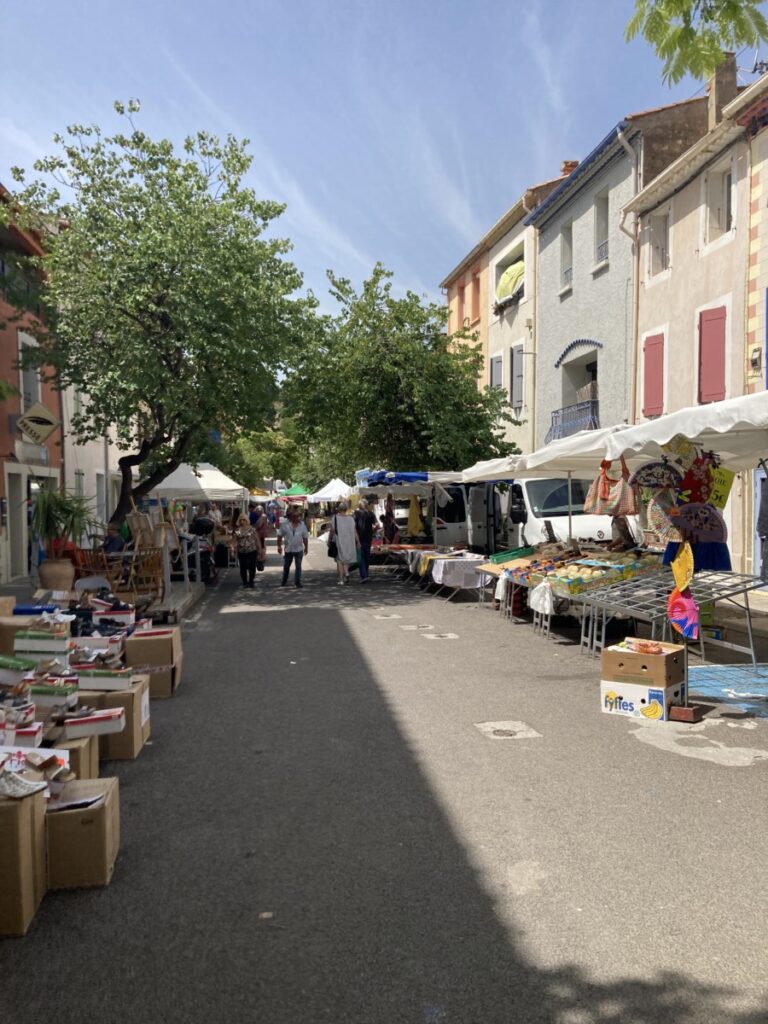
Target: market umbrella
<point x="203" y="482"/>
<point x="334" y="490"/>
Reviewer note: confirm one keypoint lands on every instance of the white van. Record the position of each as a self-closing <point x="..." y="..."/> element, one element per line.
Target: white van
<point x="536" y="502"/>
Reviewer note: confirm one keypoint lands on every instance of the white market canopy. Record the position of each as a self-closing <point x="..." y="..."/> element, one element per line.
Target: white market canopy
<point x="736" y="430"/>
<point x="204" y="483"/>
<point x="579" y="454"/>
<point x="334" y="490"/>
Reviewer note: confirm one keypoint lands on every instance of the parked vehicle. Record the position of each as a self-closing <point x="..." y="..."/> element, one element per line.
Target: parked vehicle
<point x="536" y="502"/>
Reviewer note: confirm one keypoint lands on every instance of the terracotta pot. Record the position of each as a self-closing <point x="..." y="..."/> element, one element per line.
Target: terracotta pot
<point x="56" y="574"/>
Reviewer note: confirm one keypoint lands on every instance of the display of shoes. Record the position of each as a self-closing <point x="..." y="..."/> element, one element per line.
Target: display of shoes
<point x="15" y="786"/>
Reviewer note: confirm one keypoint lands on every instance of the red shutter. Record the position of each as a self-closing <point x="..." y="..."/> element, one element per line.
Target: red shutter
<point x="712" y="355"/>
<point x="653" y="375"/>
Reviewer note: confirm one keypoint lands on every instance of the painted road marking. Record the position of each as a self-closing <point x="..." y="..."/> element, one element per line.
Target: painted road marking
<point x="690" y="741"/>
<point x="440" y="636"/>
<point x="421" y="626"/>
<point x="507" y="731"/>
<point x="387" y="616"/>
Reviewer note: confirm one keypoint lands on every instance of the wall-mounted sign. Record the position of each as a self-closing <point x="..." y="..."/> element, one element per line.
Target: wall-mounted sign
<point x="38" y="423"/>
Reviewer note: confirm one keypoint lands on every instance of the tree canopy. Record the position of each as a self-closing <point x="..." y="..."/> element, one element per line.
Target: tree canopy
<point x="383" y="384"/>
<point x="165" y="302"/>
<point x="692" y="36"/>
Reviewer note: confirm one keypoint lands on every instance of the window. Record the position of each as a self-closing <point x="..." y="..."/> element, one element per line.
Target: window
<point x="453" y="511"/>
<point x="601" y="227"/>
<point x="475" y="297"/>
<point x="461" y="306"/>
<point x="653" y="375"/>
<point x="79" y="482"/>
<point x="719" y="211"/>
<point x="658" y="240"/>
<point x="566" y="256"/>
<point x="29" y="378"/>
<point x="712" y="355"/>
<point x="495" y="377"/>
<point x="550" y="497"/>
<point x="516" y="382"/>
<point x="101" y="498"/>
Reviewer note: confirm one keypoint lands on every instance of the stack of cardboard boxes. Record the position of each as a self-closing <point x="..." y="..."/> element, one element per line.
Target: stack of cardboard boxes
<point x="68" y="836"/>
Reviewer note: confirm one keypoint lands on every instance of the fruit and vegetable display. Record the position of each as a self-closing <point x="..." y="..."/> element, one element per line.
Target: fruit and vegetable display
<point x="571" y="575"/>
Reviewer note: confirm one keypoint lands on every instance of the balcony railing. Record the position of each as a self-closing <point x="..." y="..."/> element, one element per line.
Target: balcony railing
<point x="567" y="277"/>
<point x="573" y="418"/>
<point x="602" y="251"/>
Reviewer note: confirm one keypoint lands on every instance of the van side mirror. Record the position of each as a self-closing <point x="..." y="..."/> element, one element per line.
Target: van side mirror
<point x="518" y="514"/>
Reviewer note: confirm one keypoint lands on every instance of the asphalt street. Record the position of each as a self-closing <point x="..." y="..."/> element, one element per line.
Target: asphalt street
<point x="320" y="832"/>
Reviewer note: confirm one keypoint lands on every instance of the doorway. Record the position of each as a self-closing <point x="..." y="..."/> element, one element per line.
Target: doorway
<point x="17" y="525"/>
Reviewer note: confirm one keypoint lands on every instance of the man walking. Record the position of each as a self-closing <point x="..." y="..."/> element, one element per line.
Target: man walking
<point x="366" y="523"/>
<point x="296" y="536"/>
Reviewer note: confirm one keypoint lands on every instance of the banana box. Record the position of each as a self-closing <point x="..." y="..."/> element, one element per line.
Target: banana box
<point x="633" y="700"/>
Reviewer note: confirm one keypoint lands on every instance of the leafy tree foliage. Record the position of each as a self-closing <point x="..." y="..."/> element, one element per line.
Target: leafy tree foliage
<point x="166" y="304"/>
<point x="383" y="384"/>
<point x="691" y="36"/>
<point x="254" y="457"/>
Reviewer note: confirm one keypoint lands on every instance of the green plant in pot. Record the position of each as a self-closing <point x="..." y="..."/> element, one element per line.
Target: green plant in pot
<point x="60" y="520"/>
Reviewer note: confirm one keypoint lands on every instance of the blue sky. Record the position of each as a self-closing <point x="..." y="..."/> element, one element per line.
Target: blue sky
<point x="395" y="131"/>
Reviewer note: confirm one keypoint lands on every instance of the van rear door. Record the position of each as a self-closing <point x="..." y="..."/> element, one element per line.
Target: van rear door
<point x="451" y="521"/>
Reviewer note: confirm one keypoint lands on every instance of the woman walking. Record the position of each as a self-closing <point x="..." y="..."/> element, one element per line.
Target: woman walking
<point x="344" y="532"/>
<point x="249" y="550"/>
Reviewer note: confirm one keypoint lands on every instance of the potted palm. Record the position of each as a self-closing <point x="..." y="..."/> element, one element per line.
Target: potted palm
<point x="60" y="520"/>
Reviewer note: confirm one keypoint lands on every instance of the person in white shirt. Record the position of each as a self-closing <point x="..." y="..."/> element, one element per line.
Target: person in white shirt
<point x="295" y="534"/>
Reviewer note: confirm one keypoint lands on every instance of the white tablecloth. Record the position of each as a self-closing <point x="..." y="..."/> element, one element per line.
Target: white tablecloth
<point x="458" y="572"/>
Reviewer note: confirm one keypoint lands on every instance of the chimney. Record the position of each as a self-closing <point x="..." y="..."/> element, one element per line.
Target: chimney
<point x="569" y="166"/>
<point x="721" y="89"/>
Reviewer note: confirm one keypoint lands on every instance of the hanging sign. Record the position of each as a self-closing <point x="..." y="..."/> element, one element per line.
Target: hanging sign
<point x="38" y="423"/>
<point x="722" y="482"/>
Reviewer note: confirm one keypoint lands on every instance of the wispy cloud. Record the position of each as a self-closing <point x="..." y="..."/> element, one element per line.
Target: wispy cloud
<point x="18" y="141"/>
<point x="304" y="218"/>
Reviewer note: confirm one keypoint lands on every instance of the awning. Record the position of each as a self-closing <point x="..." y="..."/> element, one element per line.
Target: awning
<point x="511" y="281"/>
<point x="334" y="490"/>
<point x="736" y="430"/>
<point x="202" y="483"/>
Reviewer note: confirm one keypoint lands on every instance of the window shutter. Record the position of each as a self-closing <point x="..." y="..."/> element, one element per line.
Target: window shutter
<point x="516" y="388"/>
<point x="653" y="375"/>
<point x="496" y="381"/>
<point x="712" y="355"/>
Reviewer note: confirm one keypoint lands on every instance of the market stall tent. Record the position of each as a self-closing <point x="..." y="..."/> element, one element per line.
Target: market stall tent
<point x="334" y="490"/>
<point x="736" y="430"/>
<point x="201" y="483"/>
<point x="296" y="491"/>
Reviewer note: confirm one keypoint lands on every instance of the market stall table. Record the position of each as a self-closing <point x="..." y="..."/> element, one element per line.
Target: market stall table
<point x="644" y="598"/>
<point x="457" y="572"/>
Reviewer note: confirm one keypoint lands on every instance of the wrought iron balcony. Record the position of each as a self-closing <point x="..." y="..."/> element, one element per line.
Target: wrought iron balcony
<point x="573" y="418"/>
<point x="567" y="277"/>
<point x="602" y="251"/>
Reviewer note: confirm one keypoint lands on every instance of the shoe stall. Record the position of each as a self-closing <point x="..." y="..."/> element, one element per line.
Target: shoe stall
<point x="77" y="673"/>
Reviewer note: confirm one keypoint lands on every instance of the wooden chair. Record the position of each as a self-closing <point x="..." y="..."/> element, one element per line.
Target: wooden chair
<point x="94" y="562"/>
<point x="146" y="576"/>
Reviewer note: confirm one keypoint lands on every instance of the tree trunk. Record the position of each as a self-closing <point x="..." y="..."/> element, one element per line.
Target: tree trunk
<point x="130" y="494"/>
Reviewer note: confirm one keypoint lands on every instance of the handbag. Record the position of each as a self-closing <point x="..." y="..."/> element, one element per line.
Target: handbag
<point x="333" y="547"/>
<point x="611" y="497"/>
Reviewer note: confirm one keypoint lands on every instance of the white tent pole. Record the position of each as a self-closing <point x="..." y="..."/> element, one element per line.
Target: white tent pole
<point x="570" y="509"/>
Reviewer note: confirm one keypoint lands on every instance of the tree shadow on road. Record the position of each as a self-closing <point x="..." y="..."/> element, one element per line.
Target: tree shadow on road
<point x="287" y="861"/>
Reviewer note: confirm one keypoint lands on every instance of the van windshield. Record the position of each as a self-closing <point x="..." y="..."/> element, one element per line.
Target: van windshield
<point x="549" y="498"/>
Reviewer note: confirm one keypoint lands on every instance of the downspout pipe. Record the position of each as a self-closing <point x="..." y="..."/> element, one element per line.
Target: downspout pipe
<point x="534" y="333"/>
<point x="633" y="233"/>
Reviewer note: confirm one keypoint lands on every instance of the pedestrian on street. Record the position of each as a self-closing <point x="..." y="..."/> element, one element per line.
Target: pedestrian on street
<point x="296" y="536"/>
<point x="366" y="524"/>
<point x="249" y="550"/>
<point x="344" y="532"/>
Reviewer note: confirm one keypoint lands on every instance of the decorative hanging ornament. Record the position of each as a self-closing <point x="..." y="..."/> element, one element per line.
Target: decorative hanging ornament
<point x="682" y="566"/>
<point x="700" y="523"/>
<point x="683" y="613"/>
<point x="698" y="482"/>
<point x="657" y="476"/>
<point x="681" y="451"/>
<point x="659" y="509"/>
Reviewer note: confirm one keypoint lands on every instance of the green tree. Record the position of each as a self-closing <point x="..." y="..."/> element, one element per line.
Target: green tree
<point x="256" y="456"/>
<point x="383" y="384"/>
<point x="692" y="36"/>
<point x="164" y="302"/>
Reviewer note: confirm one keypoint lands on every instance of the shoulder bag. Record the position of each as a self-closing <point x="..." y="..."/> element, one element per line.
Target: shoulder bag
<point x="333" y="548"/>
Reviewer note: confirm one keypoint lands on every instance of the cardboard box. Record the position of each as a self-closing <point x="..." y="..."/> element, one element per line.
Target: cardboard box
<point x="83" y="842"/>
<point x="30" y="735"/>
<point x="83" y="756"/>
<point x="657" y="670"/>
<point x="39" y="643"/>
<point x="633" y="700"/>
<point x="10" y="625"/>
<point x="22" y="861"/>
<point x="157" y="647"/>
<point x="165" y="680"/>
<point x="127" y="744"/>
<point x="113" y="644"/>
<point x="126" y="616"/>
<point x="103" y="678"/>
<point x="102" y="722"/>
<point x="17" y="756"/>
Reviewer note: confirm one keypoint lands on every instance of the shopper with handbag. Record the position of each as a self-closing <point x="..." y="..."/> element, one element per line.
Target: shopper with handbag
<point x="343" y="541"/>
